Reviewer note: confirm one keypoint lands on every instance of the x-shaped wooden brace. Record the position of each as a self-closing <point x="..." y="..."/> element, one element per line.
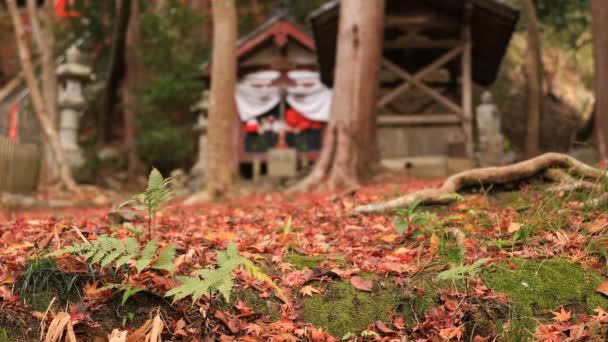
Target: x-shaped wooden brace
<point x="416" y="80"/>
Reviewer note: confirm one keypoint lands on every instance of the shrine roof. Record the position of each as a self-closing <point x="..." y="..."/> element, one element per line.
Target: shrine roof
<point x="492" y="23"/>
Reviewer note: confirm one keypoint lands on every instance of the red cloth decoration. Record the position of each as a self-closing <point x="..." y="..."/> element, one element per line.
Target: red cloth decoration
<point x="13" y="124"/>
<point x="296" y="120"/>
<point x="252" y="127"/>
<point x="61" y="8"/>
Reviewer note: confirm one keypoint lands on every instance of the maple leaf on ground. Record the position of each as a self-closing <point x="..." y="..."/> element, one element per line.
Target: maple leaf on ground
<point x="399" y="322"/>
<point x="602" y="316"/>
<point x="254" y="329"/>
<point x="562" y="315"/>
<point x="361" y="283"/>
<point x="244" y="308"/>
<point x="308" y="290"/>
<point x="547" y="333"/>
<point x="451" y="332"/>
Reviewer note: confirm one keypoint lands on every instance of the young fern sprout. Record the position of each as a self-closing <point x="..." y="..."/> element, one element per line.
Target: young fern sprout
<point x="158" y="192"/>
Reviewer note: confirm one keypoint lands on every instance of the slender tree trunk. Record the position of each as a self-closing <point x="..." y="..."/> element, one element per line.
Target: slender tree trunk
<point x="129" y="86"/>
<point x="534" y="79"/>
<point x="221" y="162"/>
<point x="599" y="10"/>
<point x="350" y="151"/>
<point x="37" y="98"/>
<point x="114" y="72"/>
<point x="42" y="22"/>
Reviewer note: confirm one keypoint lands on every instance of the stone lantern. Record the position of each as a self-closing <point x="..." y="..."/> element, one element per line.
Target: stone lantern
<point x="202" y="107"/>
<point x="72" y="76"/>
<point x="491" y="140"/>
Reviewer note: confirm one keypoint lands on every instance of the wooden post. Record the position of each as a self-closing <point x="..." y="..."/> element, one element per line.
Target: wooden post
<point x="467" y="90"/>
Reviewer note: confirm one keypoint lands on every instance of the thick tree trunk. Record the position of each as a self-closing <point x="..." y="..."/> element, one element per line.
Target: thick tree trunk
<point x="37" y="99"/>
<point x="599" y="10"/>
<point x="221" y="162"/>
<point x="534" y="78"/>
<point x="350" y="150"/>
<point x="130" y="81"/>
<point x="114" y="72"/>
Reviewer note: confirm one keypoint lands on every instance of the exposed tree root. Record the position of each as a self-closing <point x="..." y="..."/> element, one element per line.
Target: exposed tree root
<point x="568" y="183"/>
<point x="493" y="175"/>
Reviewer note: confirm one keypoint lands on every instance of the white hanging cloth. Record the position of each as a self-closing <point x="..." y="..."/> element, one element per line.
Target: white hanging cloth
<point x="255" y="94"/>
<point x="309" y="96"/>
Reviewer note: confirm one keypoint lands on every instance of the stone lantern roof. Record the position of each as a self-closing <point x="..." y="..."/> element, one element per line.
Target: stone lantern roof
<point x="72" y="68"/>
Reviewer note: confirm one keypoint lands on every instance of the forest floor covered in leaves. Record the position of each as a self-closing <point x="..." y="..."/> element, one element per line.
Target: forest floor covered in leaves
<point x="503" y="264"/>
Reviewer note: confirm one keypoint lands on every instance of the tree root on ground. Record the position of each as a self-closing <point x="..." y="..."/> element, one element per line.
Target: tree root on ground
<point x="557" y="167"/>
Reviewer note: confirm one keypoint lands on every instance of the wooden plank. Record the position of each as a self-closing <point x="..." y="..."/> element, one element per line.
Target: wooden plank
<point x="421" y="21"/>
<point x="420" y="43"/>
<point x="438" y="63"/>
<point x="467" y="87"/>
<point x="410" y="120"/>
<point x="446" y="102"/>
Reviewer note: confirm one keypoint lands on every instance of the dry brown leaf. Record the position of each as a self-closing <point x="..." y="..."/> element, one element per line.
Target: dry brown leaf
<point x="603" y="288"/>
<point x="361" y="283"/>
<point x="513" y="227"/>
<point x="117" y="336"/>
<point x="597" y="225"/>
<point x="138" y="334"/>
<point x="157" y="329"/>
<point x="61" y="324"/>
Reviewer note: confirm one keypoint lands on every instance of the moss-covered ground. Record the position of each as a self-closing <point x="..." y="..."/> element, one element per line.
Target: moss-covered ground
<point x="535" y="288"/>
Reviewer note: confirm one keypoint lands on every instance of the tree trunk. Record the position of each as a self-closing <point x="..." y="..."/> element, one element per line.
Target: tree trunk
<point x="534" y="78"/>
<point x="42" y="22"/>
<point x="129" y="85"/>
<point x="599" y="10"/>
<point x="221" y="161"/>
<point x="37" y="99"/>
<point x="350" y="151"/>
<point x="114" y="72"/>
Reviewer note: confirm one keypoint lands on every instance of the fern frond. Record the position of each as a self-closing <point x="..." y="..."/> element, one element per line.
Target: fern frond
<point x="165" y="259"/>
<point x="74" y="249"/>
<point x="462" y="272"/>
<point x="454" y="196"/>
<point x="190" y="286"/>
<point x="128" y="291"/>
<point x="146" y="256"/>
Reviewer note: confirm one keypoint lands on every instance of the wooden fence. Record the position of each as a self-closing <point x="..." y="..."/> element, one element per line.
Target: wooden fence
<point x="19" y="166"/>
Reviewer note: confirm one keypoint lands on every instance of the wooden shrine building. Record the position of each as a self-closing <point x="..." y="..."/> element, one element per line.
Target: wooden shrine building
<point x="281" y="101"/>
<point x="433" y="52"/>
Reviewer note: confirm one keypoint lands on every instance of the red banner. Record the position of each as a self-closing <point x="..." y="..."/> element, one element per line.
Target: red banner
<point x="12" y="125"/>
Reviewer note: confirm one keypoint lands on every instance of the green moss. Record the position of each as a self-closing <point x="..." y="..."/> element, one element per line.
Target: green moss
<point x="3" y="335"/>
<point x="269" y="307"/>
<point x="342" y="308"/>
<point x="305" y="261"/>
<point x="537" y="287"/>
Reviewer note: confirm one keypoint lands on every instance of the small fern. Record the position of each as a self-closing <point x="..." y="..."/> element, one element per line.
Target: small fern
<point x="209" y="281"/>
<point x="462" y="272"/>
<point x="158" y="192"/>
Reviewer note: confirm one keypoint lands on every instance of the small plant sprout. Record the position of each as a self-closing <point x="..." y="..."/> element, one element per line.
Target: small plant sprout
<point x="408" y="216"/>
<point x="157" y="193"/>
